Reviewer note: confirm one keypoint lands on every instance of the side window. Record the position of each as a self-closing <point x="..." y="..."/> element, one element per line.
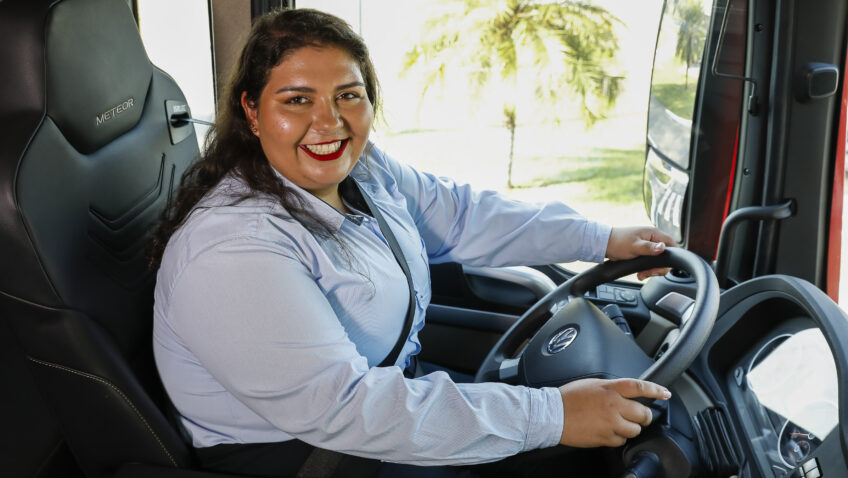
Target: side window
<point x="539" y="100"/>
<point x="178" y="40"/>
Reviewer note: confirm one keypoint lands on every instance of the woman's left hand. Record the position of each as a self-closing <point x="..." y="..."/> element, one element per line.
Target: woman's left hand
<point x="631" y="242"/>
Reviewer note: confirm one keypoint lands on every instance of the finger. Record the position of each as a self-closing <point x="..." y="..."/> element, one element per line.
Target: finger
<point x="659" y="236"/>
<point x="636" y="413"/>
<point x="615" y="441"/>
<point x="634" y="388"/>
<point x="627" y="429"/>
<point x="657" y="271"/>
<point x="643" y="247"/>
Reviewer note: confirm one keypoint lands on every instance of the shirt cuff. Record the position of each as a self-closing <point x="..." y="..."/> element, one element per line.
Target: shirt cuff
<point x="546" y="419"/>
<point x="597" y="238"/>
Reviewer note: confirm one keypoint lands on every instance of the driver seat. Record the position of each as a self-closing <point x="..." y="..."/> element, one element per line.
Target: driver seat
<point x="88" y="161"/>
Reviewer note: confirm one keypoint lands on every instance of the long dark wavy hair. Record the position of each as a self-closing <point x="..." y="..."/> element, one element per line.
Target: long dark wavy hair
<point x="231" y="147"/>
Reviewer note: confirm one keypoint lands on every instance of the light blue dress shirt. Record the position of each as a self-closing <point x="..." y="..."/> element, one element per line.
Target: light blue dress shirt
<point x="264" y="332"/>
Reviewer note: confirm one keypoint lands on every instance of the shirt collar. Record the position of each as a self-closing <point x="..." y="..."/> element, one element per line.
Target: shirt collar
<point x="326" y="213"/>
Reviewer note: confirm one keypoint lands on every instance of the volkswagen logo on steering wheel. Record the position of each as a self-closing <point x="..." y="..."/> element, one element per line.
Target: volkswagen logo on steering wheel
<point x="561" y="340"/>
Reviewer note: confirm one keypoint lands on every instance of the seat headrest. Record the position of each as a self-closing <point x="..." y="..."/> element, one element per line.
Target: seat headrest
<point x="95" y="94"/>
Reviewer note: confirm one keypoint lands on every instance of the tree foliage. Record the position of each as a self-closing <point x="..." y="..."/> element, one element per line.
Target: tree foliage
<point x="568" y="46"/>
<point x="491" y="39"/>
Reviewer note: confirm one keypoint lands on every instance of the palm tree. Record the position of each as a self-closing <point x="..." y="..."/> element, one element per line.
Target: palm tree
<point x="567" y="43"/>
<point x="693" y="31"/>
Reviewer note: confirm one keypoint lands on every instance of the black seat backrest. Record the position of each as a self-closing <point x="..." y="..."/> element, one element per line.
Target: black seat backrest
<point x="87" y="164"/>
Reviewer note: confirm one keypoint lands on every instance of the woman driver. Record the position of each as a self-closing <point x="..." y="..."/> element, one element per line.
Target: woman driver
<point x="278" y="295"/>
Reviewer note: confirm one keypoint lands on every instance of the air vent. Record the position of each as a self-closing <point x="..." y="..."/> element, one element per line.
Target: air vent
<point x="719" y="448"/>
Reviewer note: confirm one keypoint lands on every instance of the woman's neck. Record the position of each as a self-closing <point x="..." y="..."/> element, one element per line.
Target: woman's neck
<point x="333" y="198"/>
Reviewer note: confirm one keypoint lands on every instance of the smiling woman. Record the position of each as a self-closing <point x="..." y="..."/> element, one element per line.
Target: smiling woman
<point x="295" y="248"/>
<point x="313" y="119"/>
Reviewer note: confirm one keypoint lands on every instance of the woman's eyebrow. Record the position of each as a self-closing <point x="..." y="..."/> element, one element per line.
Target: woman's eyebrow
<point x="306" y="89"/>
<point x="299" y="89"/>
<point x="350" y="85"/>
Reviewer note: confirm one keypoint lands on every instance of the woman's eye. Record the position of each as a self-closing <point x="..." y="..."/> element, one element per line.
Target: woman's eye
<point x="297" y="100"/>
<point x="349" y="96"/>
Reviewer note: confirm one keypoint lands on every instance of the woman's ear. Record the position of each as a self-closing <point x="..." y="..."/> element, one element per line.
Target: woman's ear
<point x="251" y="113"/>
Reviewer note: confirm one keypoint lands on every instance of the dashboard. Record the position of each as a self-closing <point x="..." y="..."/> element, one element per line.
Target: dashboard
<point x="770" y="370"/>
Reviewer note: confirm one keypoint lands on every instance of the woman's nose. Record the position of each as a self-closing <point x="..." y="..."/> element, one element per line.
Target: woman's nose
<point x="326" y="116"/>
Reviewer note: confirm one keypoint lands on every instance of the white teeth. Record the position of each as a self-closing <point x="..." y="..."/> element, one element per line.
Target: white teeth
<point x="324" y="149"/>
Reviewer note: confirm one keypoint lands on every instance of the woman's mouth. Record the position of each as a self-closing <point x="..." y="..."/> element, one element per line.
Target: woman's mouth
<point x="326" y="151"/>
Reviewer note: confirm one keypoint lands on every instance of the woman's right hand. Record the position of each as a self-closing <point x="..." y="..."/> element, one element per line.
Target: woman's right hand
<point x="600" y="412"/>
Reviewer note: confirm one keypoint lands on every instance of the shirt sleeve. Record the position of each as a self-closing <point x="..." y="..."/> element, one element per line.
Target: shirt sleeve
<point x="255" y="318"/>
<point x="487" y="229"/>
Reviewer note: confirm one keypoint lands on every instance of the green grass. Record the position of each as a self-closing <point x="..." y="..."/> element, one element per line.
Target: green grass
<point x="677" y="97"/>
<point x="610" y="175"/>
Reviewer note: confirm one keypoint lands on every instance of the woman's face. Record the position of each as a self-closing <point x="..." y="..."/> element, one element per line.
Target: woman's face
<point x="313" y="118"/>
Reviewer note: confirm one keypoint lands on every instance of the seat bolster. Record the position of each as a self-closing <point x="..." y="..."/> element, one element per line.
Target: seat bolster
<point x="104" y="406"/>
<point x="17" y="252"/>
<point x="104" y="425"/>
<point x="21" y="52"/>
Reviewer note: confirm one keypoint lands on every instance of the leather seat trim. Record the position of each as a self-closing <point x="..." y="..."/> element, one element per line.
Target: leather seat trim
<point x="118" y="391"/>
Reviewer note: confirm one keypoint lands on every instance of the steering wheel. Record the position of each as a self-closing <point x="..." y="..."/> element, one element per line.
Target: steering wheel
<point x="570" y="338"/>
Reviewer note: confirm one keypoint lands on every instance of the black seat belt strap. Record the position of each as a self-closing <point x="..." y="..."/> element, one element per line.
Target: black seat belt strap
<point x="401" y="260"/>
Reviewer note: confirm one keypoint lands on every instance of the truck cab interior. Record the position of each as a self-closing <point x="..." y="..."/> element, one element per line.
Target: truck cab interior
<point x="745" y="329"/>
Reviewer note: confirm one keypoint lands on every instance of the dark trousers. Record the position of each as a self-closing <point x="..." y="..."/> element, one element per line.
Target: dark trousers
<point x="285" y="459"/>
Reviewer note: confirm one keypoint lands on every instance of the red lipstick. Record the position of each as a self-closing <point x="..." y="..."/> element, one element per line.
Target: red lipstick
<point x="327" y="157"/>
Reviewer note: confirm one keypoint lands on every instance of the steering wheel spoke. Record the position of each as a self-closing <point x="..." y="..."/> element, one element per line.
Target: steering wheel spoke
<point x="508" y="371"/>
<point x="558" y="305"/>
